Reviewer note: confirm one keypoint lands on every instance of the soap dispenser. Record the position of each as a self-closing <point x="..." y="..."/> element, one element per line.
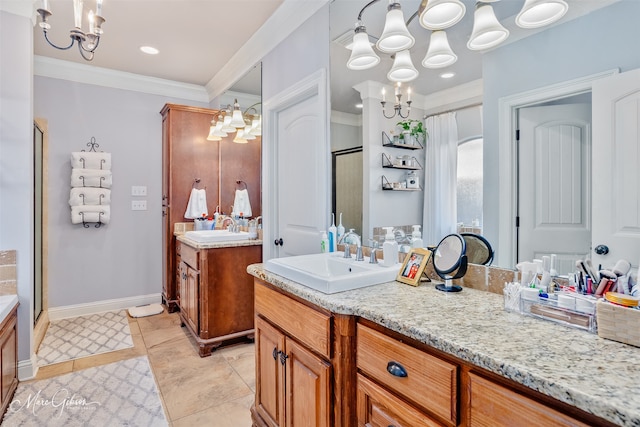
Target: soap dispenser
<point x="416" y="237"/>
<point x="389" y="249"/>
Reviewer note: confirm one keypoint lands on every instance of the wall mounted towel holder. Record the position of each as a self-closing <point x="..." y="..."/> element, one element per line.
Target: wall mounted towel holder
<point x="239" y="185"/>
<point x="92" y="144"/>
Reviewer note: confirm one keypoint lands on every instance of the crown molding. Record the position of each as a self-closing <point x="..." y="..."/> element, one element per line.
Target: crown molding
<point x="453" y="98"/>
<point x="82" y="73"/>
<point x="346" y="118"/>
<point x="24" y="8"/>
<point x="284" y="21"/>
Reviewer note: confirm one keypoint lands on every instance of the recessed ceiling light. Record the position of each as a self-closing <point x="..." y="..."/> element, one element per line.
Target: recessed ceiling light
<point x="149" y="50"/>
<point x="358" y="105"/>
<point x="447" y="75"/>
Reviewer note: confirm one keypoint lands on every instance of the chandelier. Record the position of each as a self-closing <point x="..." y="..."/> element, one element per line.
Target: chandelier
<point x="437" y="16"/>
<point x="247" y="126"/>
<point x="87" y="42"/>
<point x="397" y="105"/>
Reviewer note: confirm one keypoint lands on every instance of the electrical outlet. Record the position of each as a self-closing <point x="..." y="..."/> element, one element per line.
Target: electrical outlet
<point x="138" y="205"/>
<point x="138" y="190"/>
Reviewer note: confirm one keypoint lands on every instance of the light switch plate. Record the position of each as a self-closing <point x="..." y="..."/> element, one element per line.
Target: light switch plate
<point x="138" y="205"/>
<point x="138" y="190"/>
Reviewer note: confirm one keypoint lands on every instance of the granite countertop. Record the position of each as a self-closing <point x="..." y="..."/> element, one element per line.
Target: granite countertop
<point x="594" y="374"/>
<point x="215" y="245"/>
<point x="7" y="303"/>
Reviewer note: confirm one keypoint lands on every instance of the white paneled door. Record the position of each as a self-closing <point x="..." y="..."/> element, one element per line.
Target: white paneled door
<point x="554" y="183"/>
<point x="616" y="169"/>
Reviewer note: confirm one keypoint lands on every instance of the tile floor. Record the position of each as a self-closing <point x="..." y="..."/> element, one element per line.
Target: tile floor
<point x="212" y="391"/>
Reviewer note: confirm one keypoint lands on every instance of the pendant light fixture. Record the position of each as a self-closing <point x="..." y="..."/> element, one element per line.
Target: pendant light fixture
<point x="538" y="13"/>
<point x="487" y="31"/>
<point x="439" y="53"/>
<point x="441" y="14"/>
<point x="362" y="55"/>
<point x="395" y="35"/>
<point x="402" y="69"/>
<point x="237" y="121"/>
<point x="240" y="138"/>
<point x="215" y="131"/>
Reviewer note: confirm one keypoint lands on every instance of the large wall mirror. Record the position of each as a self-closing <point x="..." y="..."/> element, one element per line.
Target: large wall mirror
<point x="547" y="52"/>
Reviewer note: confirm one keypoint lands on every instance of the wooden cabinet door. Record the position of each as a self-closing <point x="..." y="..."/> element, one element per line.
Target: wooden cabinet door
<point x="308" y="387"/>
<point x="269" y="373"/>
<point x="181" y="280"/>
<point x="192" y="288"/>
<point x="8" y="362"/>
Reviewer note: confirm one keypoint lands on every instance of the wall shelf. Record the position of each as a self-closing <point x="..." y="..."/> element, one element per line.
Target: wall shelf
<point x="388" y="186"/>
<point x="387" y="162"/>
<point x="388" y="142"/>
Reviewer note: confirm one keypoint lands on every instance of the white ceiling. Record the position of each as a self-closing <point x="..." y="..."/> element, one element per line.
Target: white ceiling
<point x="197" y="38"/>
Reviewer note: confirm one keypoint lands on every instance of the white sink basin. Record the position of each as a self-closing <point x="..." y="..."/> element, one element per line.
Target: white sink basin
<point x="212" y="236"/>
<point x="330" y="272"/>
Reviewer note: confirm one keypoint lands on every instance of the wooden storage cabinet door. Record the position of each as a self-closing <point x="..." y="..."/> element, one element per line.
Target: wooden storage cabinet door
<point x="430" y="382"/>
<point x="192" y="287"/>
<point x="8" y="360"/>
<point x="492" y="405"/>
<point x="379" y="408"/>
<point x="270" y="399"/>
<point x="308" y="387"/>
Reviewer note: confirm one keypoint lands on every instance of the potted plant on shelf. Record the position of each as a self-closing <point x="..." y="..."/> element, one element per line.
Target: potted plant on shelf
<point x="412" y="132"/>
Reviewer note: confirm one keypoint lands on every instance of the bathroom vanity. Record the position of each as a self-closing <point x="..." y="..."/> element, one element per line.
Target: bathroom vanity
<point x="8" y="349"/>
<point x="215" y="295"/>
<point x="393" y="354"/>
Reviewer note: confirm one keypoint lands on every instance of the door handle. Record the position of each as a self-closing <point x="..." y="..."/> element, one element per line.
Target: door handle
<point x="278" y="242"/>
<point x="601" y="249"/>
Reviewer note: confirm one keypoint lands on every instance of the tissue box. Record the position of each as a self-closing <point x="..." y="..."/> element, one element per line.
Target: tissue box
<point x="618" y="323"/>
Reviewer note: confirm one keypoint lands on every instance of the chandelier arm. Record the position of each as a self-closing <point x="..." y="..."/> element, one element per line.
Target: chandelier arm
<point x="82" y="51"/>
<point x="385" y="114"/>
<point x="97" y="42"/>
<point x="366" y="6"/>
<point x="46" y="37"/>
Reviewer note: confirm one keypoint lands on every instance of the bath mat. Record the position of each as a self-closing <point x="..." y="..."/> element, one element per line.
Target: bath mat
<point x="82" y="336"/>
<point x="118" y="394"/>
<point x="145" y="310"/>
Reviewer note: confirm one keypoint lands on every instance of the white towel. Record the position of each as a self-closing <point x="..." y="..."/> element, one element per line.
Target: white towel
<point x="241" y="204"/>
<point x="90" y="178"/>
<point x="197" y="204"/>
<point x="89" y="196"/>
<point x="91" y="160"/>
<point x="90" y="213"/>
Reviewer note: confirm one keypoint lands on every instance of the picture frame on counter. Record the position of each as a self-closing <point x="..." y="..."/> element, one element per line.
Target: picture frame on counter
<point x="413" y="266"/>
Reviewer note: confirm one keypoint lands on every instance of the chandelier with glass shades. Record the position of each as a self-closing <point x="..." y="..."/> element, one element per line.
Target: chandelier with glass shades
<point x="87" y="42"/>
<point x="247" y="126"/>
<point x="438" y="16"/>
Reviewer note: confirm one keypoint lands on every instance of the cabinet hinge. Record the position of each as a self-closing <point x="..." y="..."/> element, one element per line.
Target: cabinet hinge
<point x="517" y="221"/>
<point x="517" y="134"/>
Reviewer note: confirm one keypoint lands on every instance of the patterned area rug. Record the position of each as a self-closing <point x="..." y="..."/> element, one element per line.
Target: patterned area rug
<point x="83" y="336"/>
<point x="118" y="394"/>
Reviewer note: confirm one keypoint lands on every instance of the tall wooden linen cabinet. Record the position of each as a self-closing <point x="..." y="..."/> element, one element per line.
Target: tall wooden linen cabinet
<point x="187" y="156"/>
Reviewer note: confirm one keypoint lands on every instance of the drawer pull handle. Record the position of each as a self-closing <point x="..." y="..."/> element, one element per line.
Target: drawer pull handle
<point x="396" y="369"/>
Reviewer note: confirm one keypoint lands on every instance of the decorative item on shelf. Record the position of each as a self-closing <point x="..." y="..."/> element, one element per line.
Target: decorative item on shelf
<point x="397" y="106"/>
<point x="388" y="142"/>
<point x="397" y="186"/>
<point x="413" y="266"/>
<point x="401" y="162"/>
<point x="90" y="195"/>
<point x="246" y="125"/>
<point x="438" y="15"/>
<point x="412" y="132"/>
<point x="87" y="42"/>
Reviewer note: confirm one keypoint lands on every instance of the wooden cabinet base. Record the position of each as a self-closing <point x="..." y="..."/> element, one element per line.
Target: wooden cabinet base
<point x="172" y="305"/>
<point x="207" y="346"/>
<point x="8" y="359"/>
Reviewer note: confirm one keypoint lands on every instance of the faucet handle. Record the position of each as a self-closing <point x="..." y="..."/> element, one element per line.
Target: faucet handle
<point x="373" y="259"/>
<point x="347" y="250"/>
<point x="359" y="256"/>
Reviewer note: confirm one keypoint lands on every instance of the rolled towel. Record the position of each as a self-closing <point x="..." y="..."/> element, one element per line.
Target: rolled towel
<point x="89" y="196"/>
<point x="197" y="204"/>
<point x="91" y="160"/>
<point x="90" y="213"/>
<point x="241" y="204"/>
<point x="90" y="178"/>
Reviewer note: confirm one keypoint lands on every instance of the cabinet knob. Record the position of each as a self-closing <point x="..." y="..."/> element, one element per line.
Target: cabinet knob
<point x="396" y="369"/>
<point x="275" y="353"/>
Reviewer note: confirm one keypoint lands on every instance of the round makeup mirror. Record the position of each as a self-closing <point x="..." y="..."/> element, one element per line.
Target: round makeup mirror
<point x="450" y="261"/>
<point x="479" y="251"/>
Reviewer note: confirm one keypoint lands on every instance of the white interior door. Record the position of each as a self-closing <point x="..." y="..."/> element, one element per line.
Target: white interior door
<point x="616" y="171"/>
<point x="297" y="169"/>
<point x="554" y="183"/>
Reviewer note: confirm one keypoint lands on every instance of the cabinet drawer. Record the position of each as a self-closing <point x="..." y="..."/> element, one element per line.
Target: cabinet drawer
<point x="379" y="408"/>
<point x="189" y="255"/>
<point x="493" y="405"/>
<point x="307" y="325"/>
<point x="429" y="382"/>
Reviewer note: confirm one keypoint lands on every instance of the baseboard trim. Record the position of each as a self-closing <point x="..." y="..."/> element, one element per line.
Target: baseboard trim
<point x="64" y="312"/>
<point x="28" y="369"/>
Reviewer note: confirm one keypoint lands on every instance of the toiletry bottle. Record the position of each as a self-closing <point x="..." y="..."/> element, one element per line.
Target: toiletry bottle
<point x="324" y="243"/>
<point x="389" y="249"/>
<point x="340" y="229"/>
<point x="416" y="241"/>
<point x="333" y="237"/>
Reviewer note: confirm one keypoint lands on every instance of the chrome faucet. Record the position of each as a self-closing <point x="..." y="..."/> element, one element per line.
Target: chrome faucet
<point x="232" y="226"/>
<point x="346" y="241"/>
